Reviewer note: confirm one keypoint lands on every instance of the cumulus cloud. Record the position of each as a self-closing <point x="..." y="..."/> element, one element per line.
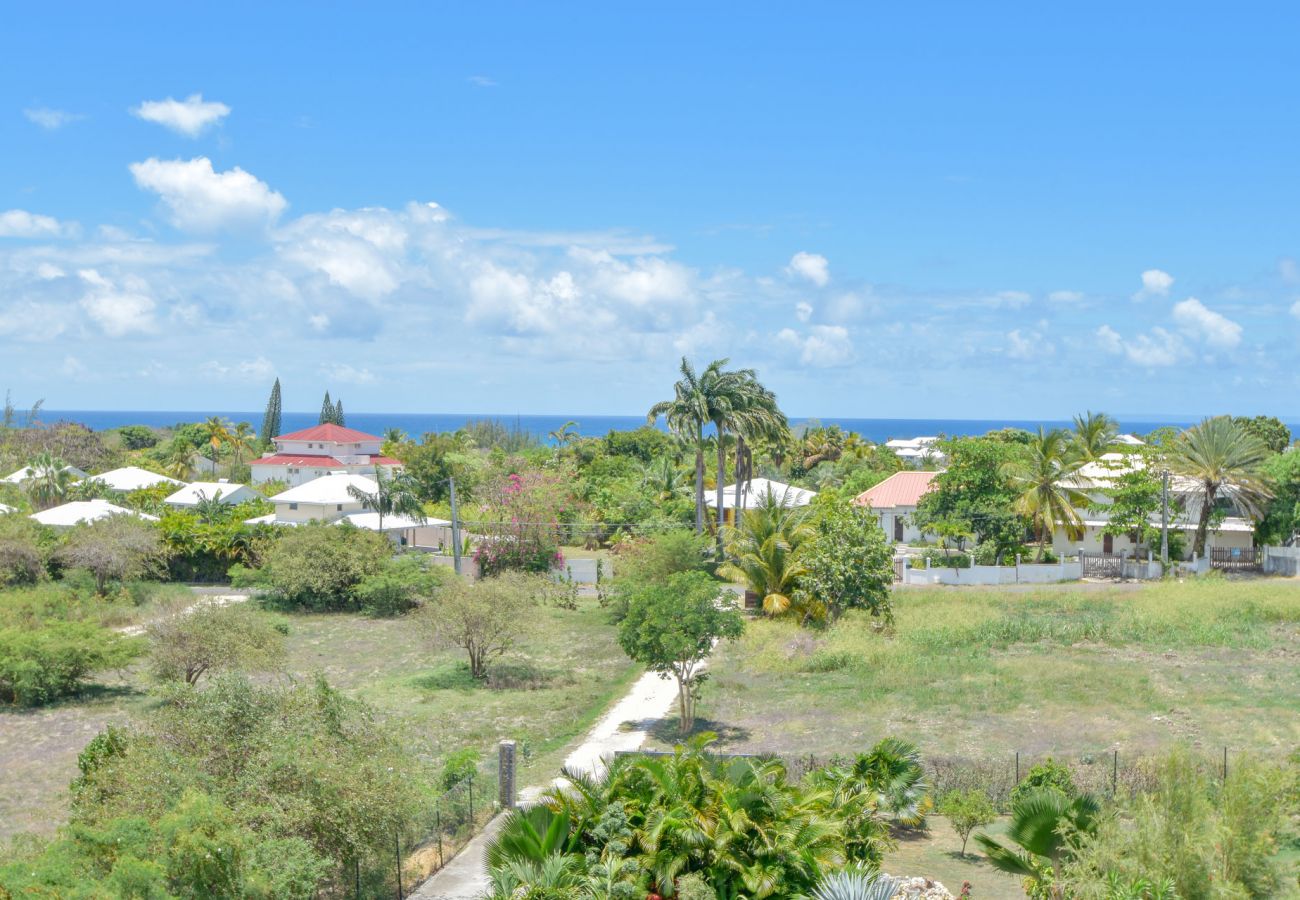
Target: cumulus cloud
<point x="821" y="347"/>
<point x="803" y="311"/>
<point x="190" y="117"/>
<point x="201" y="199"/>
<point x="1027" y="346"/>
<point x="1109" y="340"/>
<point x="118" y="309"/>
<point x="1157" y="349"/>
<point x="1197" y="320"/>
<point x="22" y="224"/>
<point x="256" y="370"/>
<point x="811" y="267"/>
<point x="1065" y="297"/>
<point x="1155" y="283"/>
<point x="50" y="119"/>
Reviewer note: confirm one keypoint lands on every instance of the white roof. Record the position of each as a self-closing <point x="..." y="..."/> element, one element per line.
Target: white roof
<point x="327" y="489"/>
<point x="786" y="494"/>
<point x="370" y="521"/>
<point x="191" y="494"/>
<point x="5" y="509"/>
<point x="268" y="519"/>
<point x="84" y="511"/>
<point x="1131" y="440"/>
<point x="21" y="475"/>
<point x="133" y="478"/>
<point x="915" y="443"/>
<point x="1229" y="523"/>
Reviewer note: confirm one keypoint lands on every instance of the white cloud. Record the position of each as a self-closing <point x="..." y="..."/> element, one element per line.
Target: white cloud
<point x="190" y="117"/>
<point x="1158" y="349"/>
<point x="1295" y="309"/>
<point x="201" y="199"/>
<point x="821" y="347"/>
<point x="481" y="81"/>
<point x="1197" y="320"/>
<point x="73" y="367"/>
<point x="1065" y="297"/>
<point x="1155" y="283"/>
<point x="50" y="119"/>
<point x="803" y="311"/>
<point x="22" y="224"/>
<point x="255" y="370"/>
<point x="1109" y="340"/>
<point x="359" y="251"/>
<point x="346" y="373"/>
<point x="118" y="310"/>
<point x="1028" y="346"/>
<point x="811" y="267"/>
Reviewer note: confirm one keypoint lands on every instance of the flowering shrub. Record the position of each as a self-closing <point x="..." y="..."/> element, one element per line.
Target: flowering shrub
<point x="521" y="528"/>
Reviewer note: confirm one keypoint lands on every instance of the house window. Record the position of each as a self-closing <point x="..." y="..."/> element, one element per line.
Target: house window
<point x="338" y="507"/>
<point x="293" y="505"/>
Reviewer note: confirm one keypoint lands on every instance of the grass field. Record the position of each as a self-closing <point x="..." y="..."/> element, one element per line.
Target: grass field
<point x="549" y="690"/>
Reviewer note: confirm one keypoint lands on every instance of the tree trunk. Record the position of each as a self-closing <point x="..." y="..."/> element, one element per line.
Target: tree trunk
<point x="684" y="704"/>
<point x="699" y="489"/>
<point x="1203" y="526"/>
<point x="722" y="476"/>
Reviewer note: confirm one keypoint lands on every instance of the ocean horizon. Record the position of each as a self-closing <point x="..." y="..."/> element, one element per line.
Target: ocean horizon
<point x="417" y="424"/>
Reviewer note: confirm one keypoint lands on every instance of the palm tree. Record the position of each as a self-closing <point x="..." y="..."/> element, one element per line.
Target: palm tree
<point x="1226" y="461"/>
<point x="1044" y="823"/>
<point x="1048" y="490"/>
<point x="686" y="415"/>
<point x="822" y="445"/>
<point x="394" y="495"/>
<point x="217" y="431"/>
<point x="241" y="441"/>
<point x="764" y="554"/>
<point x="663" y="478"/>
<point x="565" y="435"/>
<point x="47" y="480"/>
<point x="1093" y="434"/>
<point x="179" y="459"/>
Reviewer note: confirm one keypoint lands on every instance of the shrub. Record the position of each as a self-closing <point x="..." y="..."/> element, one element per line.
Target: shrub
<point x="459" y="766"/>
<point x="403" y="583"/>
<point x="1047" y="774"/>
<point x="484" y="618"/>
<point x="119" y="548"/>
<point x="940" y="558"/>
<point x="23" y="550"/>
<point x="189" y="642"/>
<point x="318" y="567"/>
<point x="966" y="811"/>
<point x="41" y="663"/>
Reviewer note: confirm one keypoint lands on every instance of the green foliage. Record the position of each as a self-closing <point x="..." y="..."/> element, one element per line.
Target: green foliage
<point x="318" y="566"/>
<point x="41" y="663"/>
<point x="459" y="766"/>
<point x="271" y="419"/>
<point x="659" y="556"/>
<point x="973" y="497"/>
<point x="1048" y="774"/>
<point x="1225" y="460"/>
<point x="1135" y="498"/>
<point x="855" y="884"/>
<point x="765" y="554"/>
<point x="1044" y="834"/>
<point x="24" y="550"/>
<point x="671" y="626"/>
<point x="485" y="618"/>
<point x="1282" y="515"/>
<point x="402" y="584"/>
<point x="1268" y="430"/>
<point x="188" y="642"/>
<point x="646" y="443"/>
<point x="118" y="548"/>
<point x="204" y="548"/>
<point x="137" y="437"/>
<point x="848" y="564"/>
<point x="966" y="811"/>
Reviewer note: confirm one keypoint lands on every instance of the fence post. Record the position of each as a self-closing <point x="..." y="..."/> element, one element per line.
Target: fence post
<point x="506" y="773"/>
<point x="1225" y="764"/>
<point x="437" y="824"/>
<point x="397" y="849"/>
<point x="1017" y="568"/>
<point x="471" y="798"/>
<point x="1114" y="775"/>
<point x="1017" y="767"/>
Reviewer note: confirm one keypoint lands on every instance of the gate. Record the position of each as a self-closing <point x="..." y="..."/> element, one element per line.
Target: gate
<point x="898" y="568"/>
<point x="1101" y="565"/>
<point x="1237" y="559"/>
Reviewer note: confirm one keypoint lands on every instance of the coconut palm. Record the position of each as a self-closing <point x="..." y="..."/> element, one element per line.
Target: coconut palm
<point x="179" y="459"/>
<point x="1044" y="823"/>
<point x="1093" y="434"/>
<point x="686" y="415"/>
<point x="1225" y="461"/>
<point x="217" y="431"/>
<point x="241" y="441"/>
<point x="394" y="495"/>
<point x="1047" y="486"/>
<point x="764" y="555"/>
<point x="822" y="445"/>
<point x="663" y="479"/>
<point x="565" y="435"/>
<point x="47" y="481"/>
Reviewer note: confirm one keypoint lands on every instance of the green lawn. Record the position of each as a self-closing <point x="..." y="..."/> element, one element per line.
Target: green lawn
<point x="564" y="673"/>
<point x="983" y="673"/>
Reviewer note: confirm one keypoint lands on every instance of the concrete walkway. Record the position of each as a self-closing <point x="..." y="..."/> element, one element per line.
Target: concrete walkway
<point x="625" y="727"/>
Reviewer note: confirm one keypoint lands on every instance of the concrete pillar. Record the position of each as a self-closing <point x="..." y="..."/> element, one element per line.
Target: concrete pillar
<point x="506" y="774"/>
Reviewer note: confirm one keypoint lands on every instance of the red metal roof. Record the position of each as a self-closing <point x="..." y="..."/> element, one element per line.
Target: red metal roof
<point x="335" y="433"/>
<point x="899" y="489"/>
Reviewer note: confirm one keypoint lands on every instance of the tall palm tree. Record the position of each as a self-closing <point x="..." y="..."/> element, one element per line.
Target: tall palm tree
<point x="565" y="435"/>
<point x="1224" y="460"/>
<point x="686" y="415"/>
<point x="47" y="480"/>
<point x="241" y="441"/>
<point x="217" y="431"/>
<point x="394" y="495"/>
<point x="1094" y="433"/>
<point x="179" y="459"/>
<point x="1047" y="486"/>
<point x="764" y="554"/>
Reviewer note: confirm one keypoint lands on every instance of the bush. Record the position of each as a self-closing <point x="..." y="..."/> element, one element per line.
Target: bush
<point x="119" y="548"/>
<point x="939" y="558"/>
<point x="966" y="811"/>
<point x="459" y="766"/>
<point x="1047" y="774"/>
<point x="40" y="664"/>
<point x="189" y="642"/>
<point x="404" y="583"/>
<point x="24" y="550"/>
<point x="318" y="567"/>
<point x="137" y="437"/>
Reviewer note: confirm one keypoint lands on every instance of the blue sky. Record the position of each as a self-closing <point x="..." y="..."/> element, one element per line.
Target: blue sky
<point x="934" y="210"/>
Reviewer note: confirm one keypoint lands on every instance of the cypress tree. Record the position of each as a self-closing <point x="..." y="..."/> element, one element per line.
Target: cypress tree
<point x="338" y="413"/>
<point x="326" y="410"/>
<point x="271" y="421"/>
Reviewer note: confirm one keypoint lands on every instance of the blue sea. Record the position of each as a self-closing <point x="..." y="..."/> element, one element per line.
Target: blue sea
<point x="416" y="424"/>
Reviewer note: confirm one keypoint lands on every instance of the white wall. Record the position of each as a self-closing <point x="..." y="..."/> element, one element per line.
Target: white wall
<point x="321" y="512"/>
<point x="329" y="448"/>
<point x="1282" y="561"/>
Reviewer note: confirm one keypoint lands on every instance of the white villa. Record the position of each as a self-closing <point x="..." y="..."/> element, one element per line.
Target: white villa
<point x="79" y="511"/>
<point x="917" y="451"/>
<point x="302" y="456"/>
<point x="894" y="500"/>
<point x="749" y="495"/>
<point x="327" y="499"/>
<point x="191" y="495"/>
<point x="21" y="475"/>
<point x="133" y="478"/>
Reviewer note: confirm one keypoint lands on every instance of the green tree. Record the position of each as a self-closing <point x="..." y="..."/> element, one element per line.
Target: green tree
<point x="1045" y="828"/>
<point x="1282" y="517"/>
<point x="847" y="564"/>
<point x="565" y="435"/>
<point x="137" y="437"/>
<point x="118" y="548"/>
<point x="1093" y="435"/>
<point x="24" y="549"/>
<point x="339" y="418"/>
<point x="186" y="642"/>
<point x="1226" y="461"/>
<point x="1047" y="488"/>
<point x="217" y="432"/>
<point x="1134" y="499"/>
<point x="394" y="495"/>
<point x="271" y="420"/>
<point x="765" y="554"/>
<point x="326" y="410"/>
<point x="686" y="415"/>
<point x="671" y="628"/>
<point x="317" y="566"/>
<point x="47" y="480"/>
<point x="241" y="440"/>
<point x="1269" y="430"/>
<point x="485" y="618"/>
<point x="966" y="811"/>
<point x="973" y="495"/>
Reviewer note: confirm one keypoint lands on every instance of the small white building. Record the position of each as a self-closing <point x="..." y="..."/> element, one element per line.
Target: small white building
<point x="750" y="495"/>
<point x="894" y="502"/>
<point x="311" y="453"/>
<point x="323" y="499"/>
<point x="132" y="478"/>
<point x="191" y="495"/>
<point x="25" y="474"/>
<point x="917" y="451"/>
<point x="79" y="511"/>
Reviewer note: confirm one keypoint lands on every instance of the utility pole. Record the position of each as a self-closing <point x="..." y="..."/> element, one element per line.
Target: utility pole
<point x="455" y="527"/>
<point x="1164" y="519"/>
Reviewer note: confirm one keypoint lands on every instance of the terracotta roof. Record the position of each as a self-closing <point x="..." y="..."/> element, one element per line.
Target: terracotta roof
<point x="328" y="433"/>
<point x="899" y="489"/>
